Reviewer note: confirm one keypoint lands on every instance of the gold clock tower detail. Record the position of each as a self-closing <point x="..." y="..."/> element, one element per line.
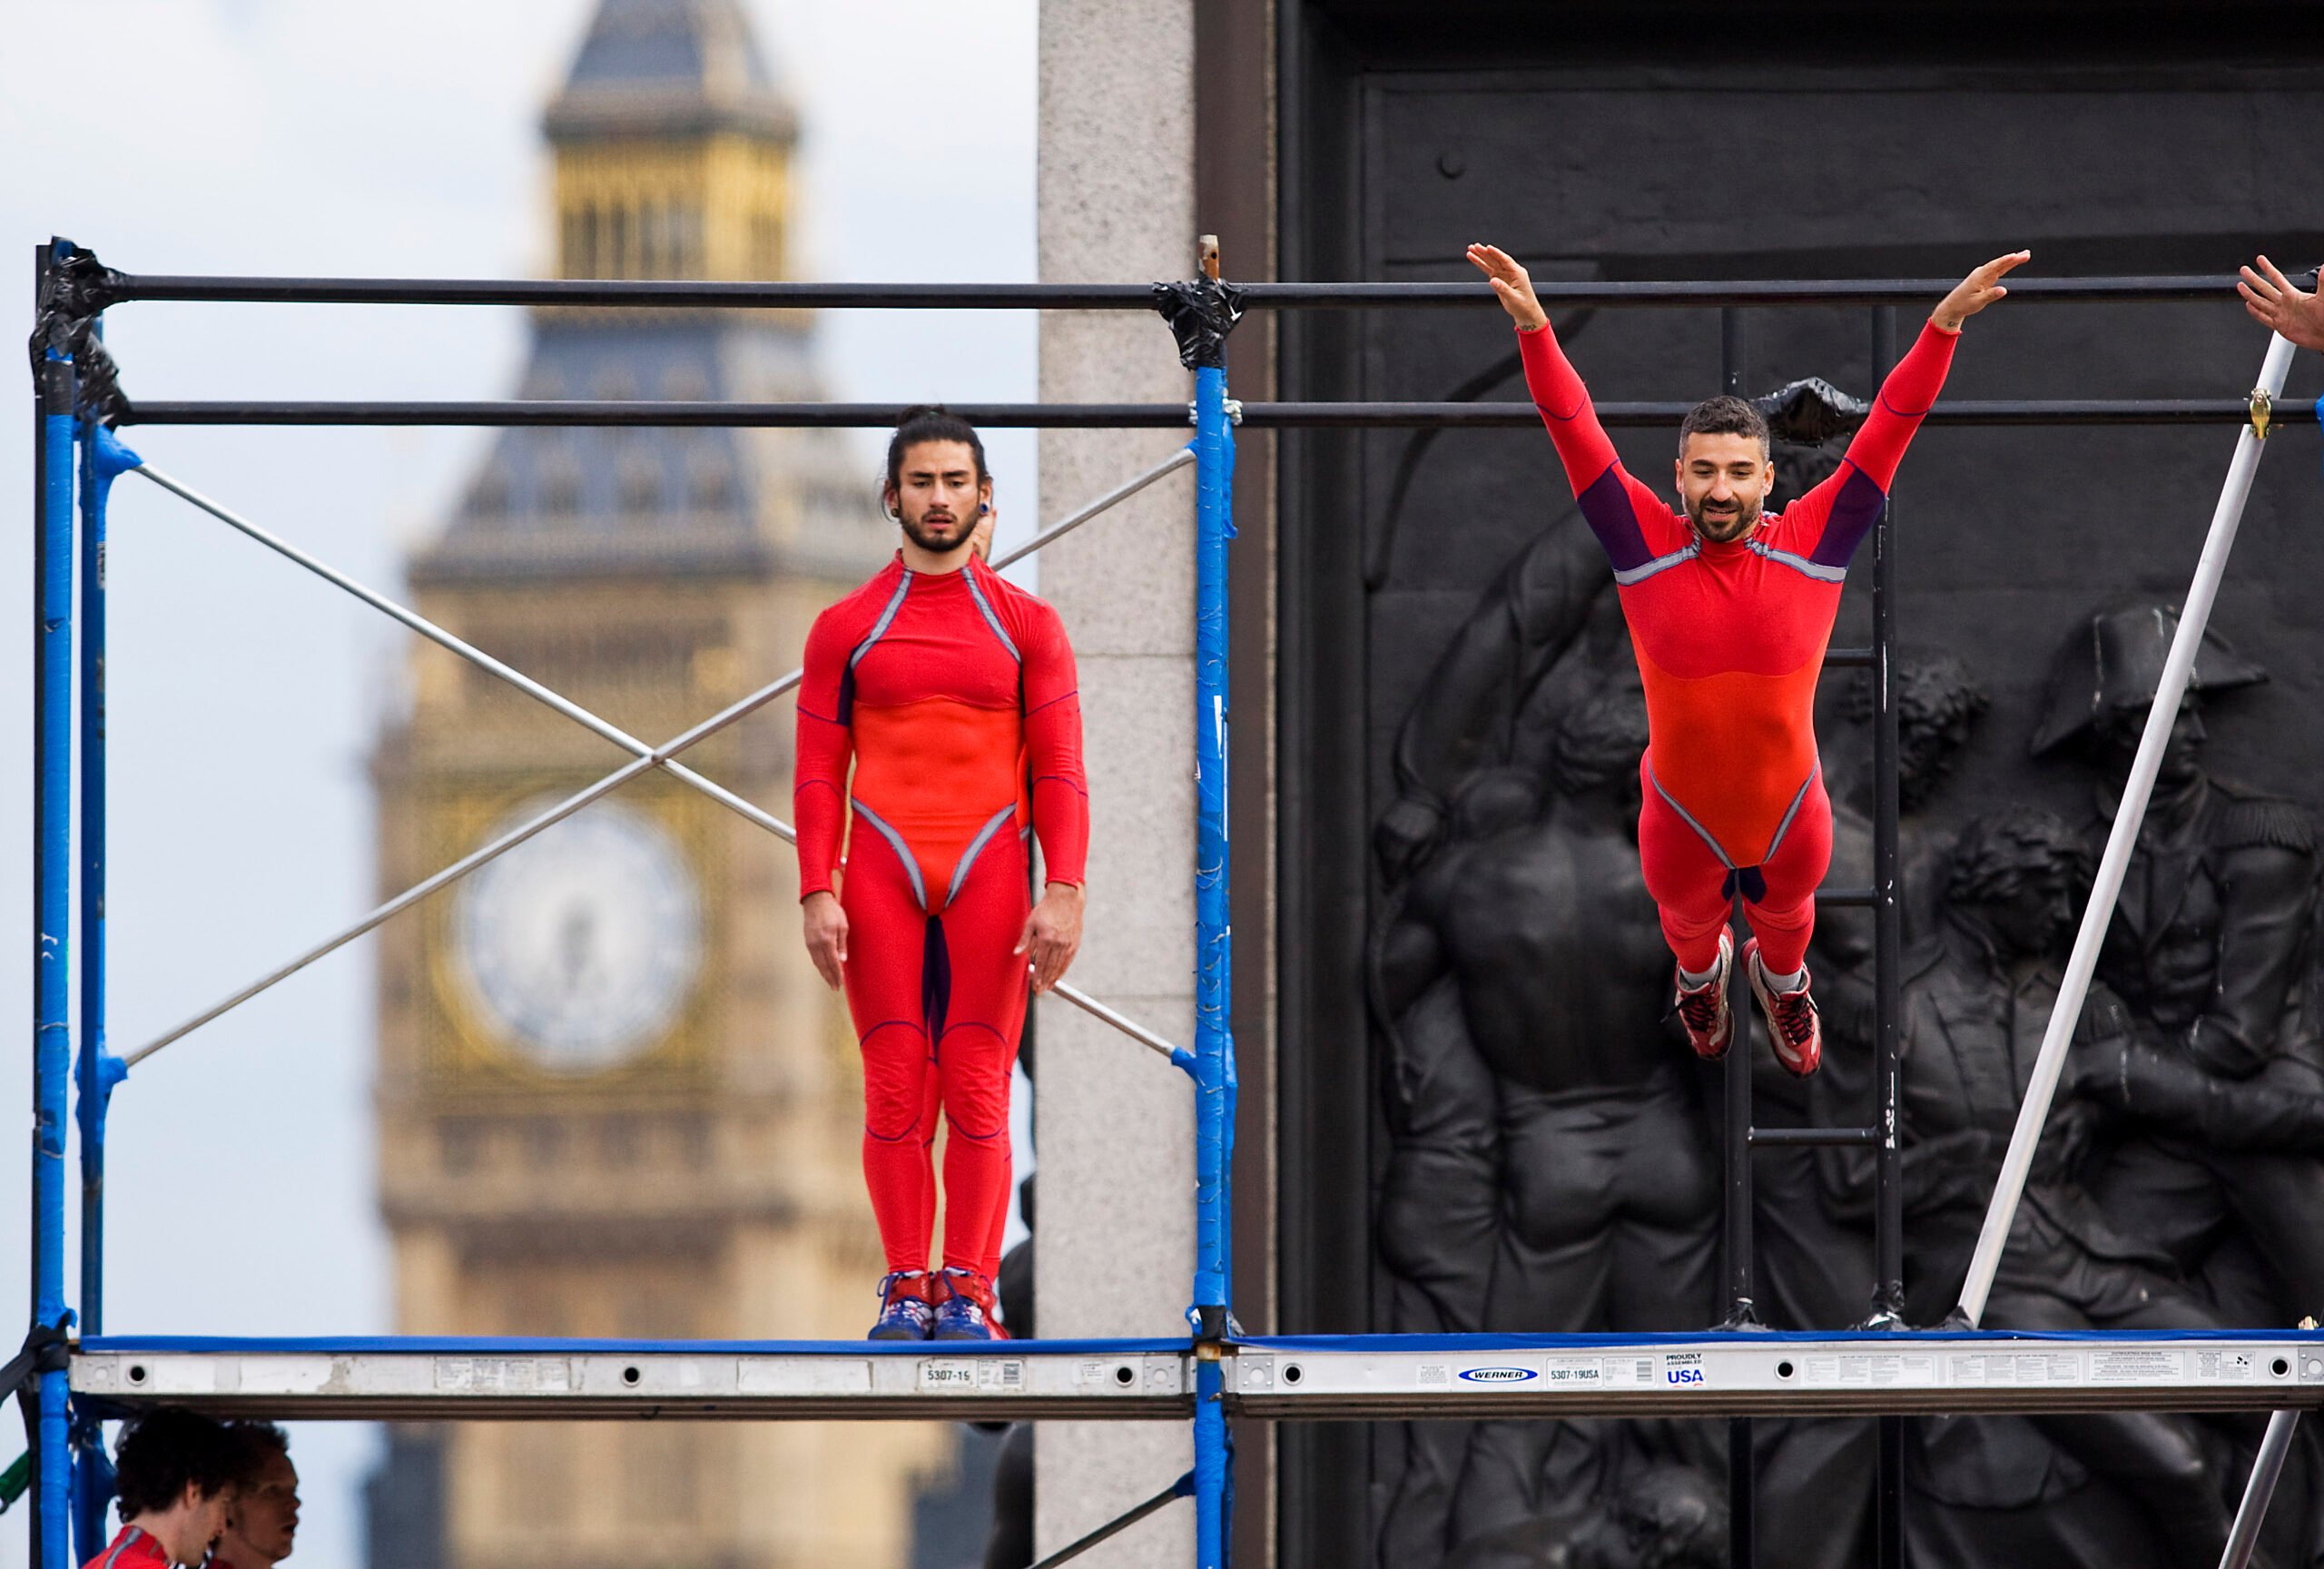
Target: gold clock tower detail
<point x="614" y="1098"/>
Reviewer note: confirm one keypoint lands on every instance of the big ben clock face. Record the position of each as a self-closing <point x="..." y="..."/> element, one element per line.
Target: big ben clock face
<point x="579" y="947"/>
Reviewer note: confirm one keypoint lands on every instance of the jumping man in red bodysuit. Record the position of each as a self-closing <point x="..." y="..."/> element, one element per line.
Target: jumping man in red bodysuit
<point x="1729" y="612"/>
<point x="951" y="692"/>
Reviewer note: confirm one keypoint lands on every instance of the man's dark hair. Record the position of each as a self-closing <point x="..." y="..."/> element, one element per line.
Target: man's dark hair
<point x="260" y="1442"/>
<point x="930" y="422"/>
<point x="1725" y="415"/>
<point x="168" y="1447"/>
<point x="1997" y="852"/>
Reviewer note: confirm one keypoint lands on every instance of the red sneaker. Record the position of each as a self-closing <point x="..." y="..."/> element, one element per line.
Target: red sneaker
<point x="1703" y="1010"/>
<point x="1794" y="1027"/>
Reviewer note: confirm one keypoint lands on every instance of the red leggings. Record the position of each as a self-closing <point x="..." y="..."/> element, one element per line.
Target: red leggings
<point x="953" y="979"/>
<point x="1694" y="882"/>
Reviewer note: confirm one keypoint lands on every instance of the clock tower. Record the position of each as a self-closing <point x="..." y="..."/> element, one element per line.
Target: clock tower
<point x="614" y="1098"/>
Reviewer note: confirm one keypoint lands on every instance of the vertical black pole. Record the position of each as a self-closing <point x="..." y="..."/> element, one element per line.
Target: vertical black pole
<point x="1737" y="1069"/>
<point x="1742" y="1484"/>
<point x="52" y="758"/>
<point x="1888" y="1214"/>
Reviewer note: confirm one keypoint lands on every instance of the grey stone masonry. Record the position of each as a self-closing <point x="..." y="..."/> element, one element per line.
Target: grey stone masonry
<point x="1114" y="1247"/>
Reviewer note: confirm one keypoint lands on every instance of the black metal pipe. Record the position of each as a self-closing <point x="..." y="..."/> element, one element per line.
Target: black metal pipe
<point x="1742" y="1477"/>
<point x="1136" y="416"/>
<point x="1182" y="1488"/>
<point x="1728" y="293"/>
<point x="2228" y="410"/>
<point x="1888" y="1210"/>
<point x="1813" y="1137"/>
<point x="725" y="295"/>
<point x="635" y="294"/>
<point x="1847" y="898"/>
<point x="592" y="412"/>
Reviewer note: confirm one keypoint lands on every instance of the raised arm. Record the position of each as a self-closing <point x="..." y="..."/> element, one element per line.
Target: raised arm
<point x="1833" y="518"/>
<point x="2281" y="305"/>
<point x="1633" y="524"/>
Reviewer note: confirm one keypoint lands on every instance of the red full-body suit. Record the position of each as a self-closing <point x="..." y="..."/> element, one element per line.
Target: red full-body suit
<point x="954" y="698"/>
<point x="1730" y="641"/>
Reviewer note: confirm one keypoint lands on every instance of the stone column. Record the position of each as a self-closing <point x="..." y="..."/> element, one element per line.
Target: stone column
<point x="1114" y="1245"/>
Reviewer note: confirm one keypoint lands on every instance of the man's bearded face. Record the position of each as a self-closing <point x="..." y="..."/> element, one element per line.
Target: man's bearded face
<point x="1724" y="477"/>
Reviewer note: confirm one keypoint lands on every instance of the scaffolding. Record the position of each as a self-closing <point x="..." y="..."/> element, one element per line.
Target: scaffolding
<point x="76" y="1376"/>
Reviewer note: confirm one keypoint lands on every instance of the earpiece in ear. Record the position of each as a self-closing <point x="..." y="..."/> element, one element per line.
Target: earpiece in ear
<point x="983" y="508"/>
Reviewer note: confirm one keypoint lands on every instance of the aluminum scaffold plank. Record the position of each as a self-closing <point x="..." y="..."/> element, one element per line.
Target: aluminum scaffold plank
<point x="1303" y="1378"/>
<point x="410" y="1379"/>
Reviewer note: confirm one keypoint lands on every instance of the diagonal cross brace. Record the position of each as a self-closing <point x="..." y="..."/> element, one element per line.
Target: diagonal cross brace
<point x="643" y="758"/>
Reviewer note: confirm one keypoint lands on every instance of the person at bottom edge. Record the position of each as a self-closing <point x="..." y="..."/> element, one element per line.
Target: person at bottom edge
<point x="940" y="731"/>
<point x="176" y="1474"/>
<point x="263" y="1523"/>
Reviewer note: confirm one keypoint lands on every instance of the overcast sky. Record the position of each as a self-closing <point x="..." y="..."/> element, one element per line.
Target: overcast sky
<point x="289" y="137"/>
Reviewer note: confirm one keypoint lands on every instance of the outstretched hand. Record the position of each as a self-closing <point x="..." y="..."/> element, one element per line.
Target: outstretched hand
<point x="1977" y="291"/>
<point x="2277" y="304"/>
<point x="1511" y="285"/>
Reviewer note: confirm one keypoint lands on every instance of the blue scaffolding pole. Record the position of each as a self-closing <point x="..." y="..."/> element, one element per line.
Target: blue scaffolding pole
<point x="1213" y="961"/>
<point x="95" y="1070"/>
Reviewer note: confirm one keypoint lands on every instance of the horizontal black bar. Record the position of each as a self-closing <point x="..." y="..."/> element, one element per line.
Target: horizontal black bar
<point x="1848" y="659"/>
<point x="1847" y="898"/>
<point x="732" y="296"/>
<point x="578" y="412"/>
<point x="1115" y="296"/>
<point x="1957" y="411"/>
<point x="1726" y="292"/>
<point x="1127" y="416"/>
<point x="1794" y="1138"/>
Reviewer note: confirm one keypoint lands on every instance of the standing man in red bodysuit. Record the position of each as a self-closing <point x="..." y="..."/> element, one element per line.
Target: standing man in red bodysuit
<point x="951" y="692"/>
<point x="1730" y="610"/>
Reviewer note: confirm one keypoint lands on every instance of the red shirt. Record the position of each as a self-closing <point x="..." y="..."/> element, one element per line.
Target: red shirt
<point x="132" y="1549"/>
<point x="953" y="696"/>
<point x="1731" y="637"/>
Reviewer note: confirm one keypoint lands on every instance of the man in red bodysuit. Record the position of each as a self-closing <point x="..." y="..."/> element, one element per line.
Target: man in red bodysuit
<point x="1729" y="611"/>
<point x="951" y="692"/>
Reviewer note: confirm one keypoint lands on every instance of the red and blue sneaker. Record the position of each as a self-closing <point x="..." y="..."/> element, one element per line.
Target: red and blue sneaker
<point x="1704" y="1010"/>
<point x="905" y="1310"/>
<point x="1794" y="1027"/>
<point x="966" y="1311"/>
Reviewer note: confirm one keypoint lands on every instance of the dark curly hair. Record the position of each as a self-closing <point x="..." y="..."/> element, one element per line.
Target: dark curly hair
<point x="930" y="422"/>
<point x="167" y="1449"/>
<point x="1725" y="415"/>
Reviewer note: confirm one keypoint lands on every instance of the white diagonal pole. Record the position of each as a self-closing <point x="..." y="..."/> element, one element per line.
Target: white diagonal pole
<point x="461" y="647"/>
<point x="2210" y="567"/>
<point x="2266" y="1466"/>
